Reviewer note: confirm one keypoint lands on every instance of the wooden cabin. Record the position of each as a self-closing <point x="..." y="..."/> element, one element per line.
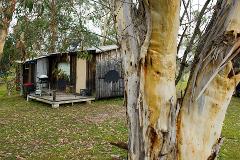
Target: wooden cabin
<point x="100" y="77"/>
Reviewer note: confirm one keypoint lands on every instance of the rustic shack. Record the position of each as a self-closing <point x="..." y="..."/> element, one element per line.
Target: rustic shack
<point x="101" y="76"/>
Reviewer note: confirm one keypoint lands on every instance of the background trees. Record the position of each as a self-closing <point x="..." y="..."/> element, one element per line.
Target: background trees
<point x="41" y="26"/>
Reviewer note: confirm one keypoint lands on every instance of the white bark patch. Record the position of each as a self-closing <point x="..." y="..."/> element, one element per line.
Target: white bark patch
<point x="199" y="131"/>
<point x="210" y="88"/>
<point x="148" y="36"/>
<point x="3" y="35"/>
<point x="234" y="18"/>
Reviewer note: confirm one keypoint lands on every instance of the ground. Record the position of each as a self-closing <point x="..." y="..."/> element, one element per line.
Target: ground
<point x="32" y="130"/>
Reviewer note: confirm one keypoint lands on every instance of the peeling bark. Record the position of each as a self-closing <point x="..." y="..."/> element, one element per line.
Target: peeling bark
<point x="3" y="36"/>
<point x="210" y="87"/>
<point x="148" y="35"/>
<point x="159" y="80"/>
<point x="150" y="45"/>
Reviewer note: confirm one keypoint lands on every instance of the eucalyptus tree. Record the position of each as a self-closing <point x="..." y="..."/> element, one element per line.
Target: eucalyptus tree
<point x="102" y="17"/>
<point x="160" y="125"/>
<point x="43" y="31"/>
<point x="9" y="54"/>
<point x="7" y="8"/>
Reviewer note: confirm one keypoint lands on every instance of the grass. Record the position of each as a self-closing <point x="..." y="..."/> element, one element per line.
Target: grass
<point x="34" y="130"/>
<point x="2" y="90"/>
<point x="231" y="132"/>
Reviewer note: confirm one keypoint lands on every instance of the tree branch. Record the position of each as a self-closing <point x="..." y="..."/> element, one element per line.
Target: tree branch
<point x="190" y="45"/>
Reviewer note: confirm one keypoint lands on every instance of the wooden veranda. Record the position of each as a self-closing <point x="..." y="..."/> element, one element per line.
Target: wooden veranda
<point x="61" y="98"/>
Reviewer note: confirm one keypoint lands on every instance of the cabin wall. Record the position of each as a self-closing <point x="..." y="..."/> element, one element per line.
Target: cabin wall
<point x="109" y="74"/>
<point x="81" y="75"/>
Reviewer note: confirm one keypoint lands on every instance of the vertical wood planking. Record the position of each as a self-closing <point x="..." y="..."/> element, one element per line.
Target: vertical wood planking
<point x="106" y="61"/>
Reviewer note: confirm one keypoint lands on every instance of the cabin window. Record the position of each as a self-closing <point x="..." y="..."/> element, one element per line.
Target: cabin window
<point x="64" y="67"/>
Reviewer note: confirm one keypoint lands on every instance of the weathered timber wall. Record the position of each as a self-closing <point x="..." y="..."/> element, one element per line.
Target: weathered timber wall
<point x="109" y="74"/>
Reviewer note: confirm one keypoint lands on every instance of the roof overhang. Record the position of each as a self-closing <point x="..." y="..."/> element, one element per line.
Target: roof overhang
<point x="99" y="49"/>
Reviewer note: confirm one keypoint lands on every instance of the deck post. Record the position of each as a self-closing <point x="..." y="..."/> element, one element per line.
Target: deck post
<point x="54" y="95"/>
<point x="55" y="105"/>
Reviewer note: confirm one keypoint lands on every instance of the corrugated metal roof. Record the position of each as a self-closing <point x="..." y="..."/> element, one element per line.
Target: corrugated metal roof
<point x="40" y="57"/>
<point x="99" y="49"/>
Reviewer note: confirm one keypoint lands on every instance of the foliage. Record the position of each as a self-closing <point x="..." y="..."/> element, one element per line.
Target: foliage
<point x="84" y="55"/>
<point x="74" y="21"/>
<point x="70" y="24"/>
<point x="60" y="74"/>
<point x="9" y="80"/>
<point x="7" y="8"/>
<point x="9" y="54"/>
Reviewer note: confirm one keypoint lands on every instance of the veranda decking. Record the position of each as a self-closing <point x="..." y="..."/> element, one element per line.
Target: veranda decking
<point x="61" y="98"/>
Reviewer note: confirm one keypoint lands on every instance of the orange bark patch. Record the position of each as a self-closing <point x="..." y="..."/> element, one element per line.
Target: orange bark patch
<point x="160" y="60"/>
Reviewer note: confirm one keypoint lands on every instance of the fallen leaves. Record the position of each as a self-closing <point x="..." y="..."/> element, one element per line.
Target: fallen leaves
<point x="35" y="131"/>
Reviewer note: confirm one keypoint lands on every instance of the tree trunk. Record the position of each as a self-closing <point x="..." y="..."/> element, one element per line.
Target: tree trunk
<point x="148" y="35"/>
<point x="105" y="29"/>
<point x="3" y="36"/>
<point x="210" y="86"/>
<point x="53" y="27"/>
<point x="150" y="45"/>
<point x="6" y="11"/>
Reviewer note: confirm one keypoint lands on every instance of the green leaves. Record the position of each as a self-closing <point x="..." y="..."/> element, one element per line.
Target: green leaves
<point x="46" y="4"/>
<point x="73" y="21"/>
<point x="29" y="5"/>
<point x="9" y="54"/>
<point x="84" y="55"/>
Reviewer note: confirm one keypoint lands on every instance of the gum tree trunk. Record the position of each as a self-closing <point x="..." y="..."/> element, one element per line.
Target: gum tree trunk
<point x="160" y="127"/>
<point x="3" y="36"/>
<point x="53" y="26"/>
<point x="148" y="36"/>
<point x="6" y="10"/>
<point x="211" y="85"/>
